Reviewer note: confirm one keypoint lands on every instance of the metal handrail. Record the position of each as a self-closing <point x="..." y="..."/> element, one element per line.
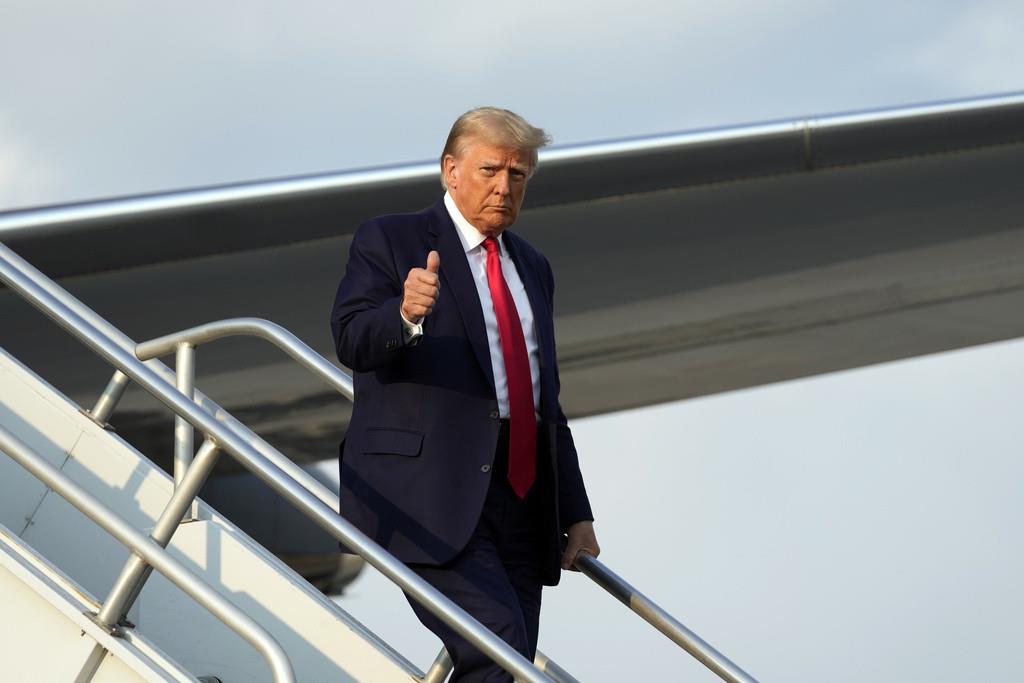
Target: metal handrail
<point x="661" y="620"/>
<point x="156" y="556"/>
<point x="548" y="666"/>
<point x="184" y="343"/>
<point x="119" y="381"/>
<point x="590" y="566"/>
<point x="24" y="279"/>
<point x="439" y="668"/>
<point x="253" y="327"/>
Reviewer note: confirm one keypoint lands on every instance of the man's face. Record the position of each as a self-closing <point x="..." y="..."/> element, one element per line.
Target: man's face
<point x="488" y="183"/>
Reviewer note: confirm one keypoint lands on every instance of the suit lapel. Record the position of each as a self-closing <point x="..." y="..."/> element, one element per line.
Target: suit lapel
<point x="455" y="275"/>
<point x="539" y="303"/>
<point x="534" y="291"/>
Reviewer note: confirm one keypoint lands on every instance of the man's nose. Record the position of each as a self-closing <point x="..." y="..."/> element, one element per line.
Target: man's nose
<point x="501" y="183"/>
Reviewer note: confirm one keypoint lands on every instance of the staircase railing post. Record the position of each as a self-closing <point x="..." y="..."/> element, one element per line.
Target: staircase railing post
<point x="184" y="445"/>
<point x="108" y="400"/>
<point x="135" y="571"/>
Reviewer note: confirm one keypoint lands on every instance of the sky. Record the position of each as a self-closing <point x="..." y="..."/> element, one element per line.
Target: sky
<point x="861" y="526"/>
<point x="110" y="98"/>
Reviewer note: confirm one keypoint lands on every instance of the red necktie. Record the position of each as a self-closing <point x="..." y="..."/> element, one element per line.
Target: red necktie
<point x="522" y="446"/>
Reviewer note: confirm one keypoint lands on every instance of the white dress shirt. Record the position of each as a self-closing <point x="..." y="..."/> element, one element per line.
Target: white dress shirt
<point x="473" y="243"/>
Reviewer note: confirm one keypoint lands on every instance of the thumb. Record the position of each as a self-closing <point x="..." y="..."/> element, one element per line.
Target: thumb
<point x="433" y="261"/>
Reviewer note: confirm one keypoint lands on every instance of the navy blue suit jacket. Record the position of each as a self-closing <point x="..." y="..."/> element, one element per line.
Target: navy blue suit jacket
<point x="415" y="461"/>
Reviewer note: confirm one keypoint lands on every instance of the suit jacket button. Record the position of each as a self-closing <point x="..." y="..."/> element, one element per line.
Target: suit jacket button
<point x="495" y="414"/>
<point x="485" y="468"/>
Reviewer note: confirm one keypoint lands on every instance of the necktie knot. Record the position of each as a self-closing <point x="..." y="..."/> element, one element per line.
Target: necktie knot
<point x="491" y="245"/>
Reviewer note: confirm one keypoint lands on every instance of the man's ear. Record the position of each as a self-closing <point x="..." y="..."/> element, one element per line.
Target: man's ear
<point x="450" y="169"/>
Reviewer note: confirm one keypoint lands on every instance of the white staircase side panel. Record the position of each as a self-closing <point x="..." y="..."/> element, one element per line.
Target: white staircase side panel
<point x="326" y="639"/>
<point x="22" y="407"/>
<point x="321" y="645"/>
<point x="38" y="642"/>
<point x="130" y="485"/>
<point x="46" y="634"/>
<point x="114" y="670"/>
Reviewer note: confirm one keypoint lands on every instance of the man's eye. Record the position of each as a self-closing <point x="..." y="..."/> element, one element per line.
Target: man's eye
<point x="489" y="170"/>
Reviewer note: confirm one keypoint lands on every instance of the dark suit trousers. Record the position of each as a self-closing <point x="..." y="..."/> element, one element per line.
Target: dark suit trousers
<point x="496" y="578"/>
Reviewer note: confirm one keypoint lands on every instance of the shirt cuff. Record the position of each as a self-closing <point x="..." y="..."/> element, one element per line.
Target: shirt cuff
<point x="413" y="331"/>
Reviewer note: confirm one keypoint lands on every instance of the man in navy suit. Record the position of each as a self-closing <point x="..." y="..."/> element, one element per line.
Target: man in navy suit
<point x="458" y="458"/>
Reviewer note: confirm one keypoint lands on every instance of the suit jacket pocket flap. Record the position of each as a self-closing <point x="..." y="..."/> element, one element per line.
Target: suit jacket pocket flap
<point x="395" y="441"/>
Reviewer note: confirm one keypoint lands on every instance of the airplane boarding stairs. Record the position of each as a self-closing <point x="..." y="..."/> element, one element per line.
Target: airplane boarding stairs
<point x="91" y="593"/>
<point x="41" y="532"/>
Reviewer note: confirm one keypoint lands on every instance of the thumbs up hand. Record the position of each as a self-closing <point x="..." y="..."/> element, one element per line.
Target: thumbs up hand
<point x="421" y="289"/>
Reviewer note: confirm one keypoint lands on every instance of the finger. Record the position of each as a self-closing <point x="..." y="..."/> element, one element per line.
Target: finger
<point x="414" y="299"/>
<point x="421" y="275"/>
<point x="570" y="556"/>
<point x="418" y="300"/>
<point x="425" y="276"/>
<point x="418" y="306"/>
<point x="424" y="279"/>
<point x="418" y="276"/>
<point x="433" y="261"/>
<point x="416" y="312"/>
<point x="420" y="294"/>
<point x="420" y="289"/>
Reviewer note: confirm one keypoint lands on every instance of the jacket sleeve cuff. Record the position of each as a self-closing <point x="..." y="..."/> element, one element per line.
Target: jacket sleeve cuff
<point x="579" y="512"/>
<point x="412" y="331"/>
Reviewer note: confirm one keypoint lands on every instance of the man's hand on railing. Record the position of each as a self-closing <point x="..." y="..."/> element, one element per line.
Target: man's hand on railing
<point x="581" y="538"/>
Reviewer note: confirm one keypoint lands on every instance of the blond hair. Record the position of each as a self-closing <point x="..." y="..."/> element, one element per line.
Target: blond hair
<point x="496" y="126"/>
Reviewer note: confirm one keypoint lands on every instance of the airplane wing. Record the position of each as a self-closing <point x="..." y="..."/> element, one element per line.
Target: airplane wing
<point x="168" y="226"/>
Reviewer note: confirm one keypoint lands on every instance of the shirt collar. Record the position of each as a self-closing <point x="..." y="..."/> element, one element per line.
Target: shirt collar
<point x="470" y="237"/>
